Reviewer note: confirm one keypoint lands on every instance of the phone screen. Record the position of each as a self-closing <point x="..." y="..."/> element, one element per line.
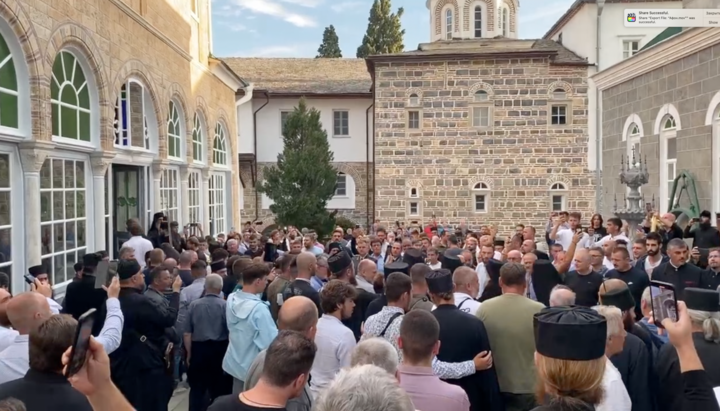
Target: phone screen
<point x="664" y="304"/>
<point x="101" y="273"/>
<point x="29" y="279"/>
<point x="79" y="350"/>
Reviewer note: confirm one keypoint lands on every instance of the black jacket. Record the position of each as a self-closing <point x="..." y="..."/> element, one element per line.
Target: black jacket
<point x="359" y="315"/>
<point x="703" y="237"/>
<point x="81" y="295"/>
<point x="633" y="365"/>
<point x="687" y="275"/>
<point x="41" y="391"/>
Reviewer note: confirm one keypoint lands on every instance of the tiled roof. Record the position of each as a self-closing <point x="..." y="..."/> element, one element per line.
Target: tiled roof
<point x="303" y="75"/>
<point x="577" y="5"/>
<point x="489" y="47"/>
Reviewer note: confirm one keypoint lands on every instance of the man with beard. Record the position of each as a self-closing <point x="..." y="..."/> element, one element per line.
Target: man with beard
<point x="712" y="273"/>
<point x="677" y="271"/>
<point x="704" y="235"/>
<point x="653" y="257"/>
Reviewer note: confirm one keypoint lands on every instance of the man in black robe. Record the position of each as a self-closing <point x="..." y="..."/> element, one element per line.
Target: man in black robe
<point x="677" y="271"/>
<point x="702" y="304"/>
<point x="82" y="295"/>
<point x="341" y="267"/>
<point x="492" y="288"/>
<point x="544" y="278"/>
<point x="462" y="337"/>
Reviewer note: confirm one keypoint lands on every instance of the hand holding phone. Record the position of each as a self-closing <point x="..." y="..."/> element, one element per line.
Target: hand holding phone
<point x="664" y="302"/>
<point x="79" y="349"/>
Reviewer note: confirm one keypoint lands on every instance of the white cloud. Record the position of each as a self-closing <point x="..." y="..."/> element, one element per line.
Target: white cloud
<point x="298" y="50"/>
<point x="304" y="3"/>
<point x="270" y="8"/>
<point x="346" y="6"/>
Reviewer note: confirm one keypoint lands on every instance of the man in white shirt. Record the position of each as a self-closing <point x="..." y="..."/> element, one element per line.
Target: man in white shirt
<point x="138" y="243"/>
<point x="563" y="234"/>
<point x="614" y="227"/>
<point x="486" y="253"/>
<point x="466" y="285"/>
<point x="335" y="342"/>
<point x="616" y="397"/>
<point x="433" y="261"/>
<point x="7" y="334"/>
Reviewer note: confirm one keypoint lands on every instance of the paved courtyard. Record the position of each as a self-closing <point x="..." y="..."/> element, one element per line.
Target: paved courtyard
<point x="179" y="400"/>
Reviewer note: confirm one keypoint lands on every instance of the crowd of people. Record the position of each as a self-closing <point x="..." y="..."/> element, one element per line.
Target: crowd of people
<point x="411" y="318"/>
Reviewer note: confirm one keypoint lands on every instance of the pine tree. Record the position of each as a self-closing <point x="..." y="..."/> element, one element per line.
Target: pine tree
<point x="330" y="47"/>
<point x="384" y="33"/>
<point x="304" y="179"/>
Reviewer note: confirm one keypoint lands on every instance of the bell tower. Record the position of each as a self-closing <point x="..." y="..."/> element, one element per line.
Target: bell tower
<point x="471" y="19"/>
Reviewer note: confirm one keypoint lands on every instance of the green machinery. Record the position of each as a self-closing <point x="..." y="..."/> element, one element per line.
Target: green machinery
<point x="686" y="208"/>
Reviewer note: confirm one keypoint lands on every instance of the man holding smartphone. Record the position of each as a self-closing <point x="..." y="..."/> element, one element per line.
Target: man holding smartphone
<point x="703" y="234"/>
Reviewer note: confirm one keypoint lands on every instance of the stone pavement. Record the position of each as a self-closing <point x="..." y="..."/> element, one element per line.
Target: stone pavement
<point x="179" y="400"/>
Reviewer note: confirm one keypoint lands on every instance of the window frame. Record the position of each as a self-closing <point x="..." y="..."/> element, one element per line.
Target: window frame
<point x="416" y="103"/>
<point x="552" y="115"/>
<point x="504" y="16"/>
<point x="478" y="189"/>
<point x="485" y="103"/>
<point x="285" y="113"/>
<point x="199" y="131"/>
<point x="478" y="10"/>
<point x="628" y="51"/>
<point x="668" y="132"/>
<point x="216" y="193"/>
<point x="344" y="193"/>
<point x="195" y="197"/>
<point x="167" y="206"/>
<point x="122" y="131"/>
<point x="558" y="189"/>
<point x="175" y="120"/>
<point x="416" y="204"/>
<point x="16" y="200"/>
<point x="449" y="23"/>
<point x="408" y="120"/>
<point x="347" y="123"/>
<point x="221" y="153"/>
<point x="85" y="87"/>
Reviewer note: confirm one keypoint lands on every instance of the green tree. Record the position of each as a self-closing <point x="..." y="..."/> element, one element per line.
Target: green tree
<point x="304" y="179"/>
<point x="384" y="33"/>
<point x="330" y="47"/>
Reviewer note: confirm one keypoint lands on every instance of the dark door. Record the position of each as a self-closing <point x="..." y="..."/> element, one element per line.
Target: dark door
<point x="128" y="195"/>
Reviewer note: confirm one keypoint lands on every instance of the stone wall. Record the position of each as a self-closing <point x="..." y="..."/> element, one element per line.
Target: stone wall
<point x="688" y="85"/>
<point x="519" y="156"/>
<point x="357" y="171"/>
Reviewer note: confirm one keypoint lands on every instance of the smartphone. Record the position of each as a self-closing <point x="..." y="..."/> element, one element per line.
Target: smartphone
<point x="29" y="279"/>
<point x="664" y="302"/>
<point x="648" y="207"/>
<point x="101" y="273"/>
<point x="112" y="272"/>
<point x="78" y="353"/>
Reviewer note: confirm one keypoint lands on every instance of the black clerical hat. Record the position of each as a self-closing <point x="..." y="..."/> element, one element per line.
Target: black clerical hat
<point x="337" y="247"/>
<point x="127" y="268"/>
<point x="37" y="270"/>
<point x="493" y="267"/>
<point x="451" y="260"/>
<point x="397" y="267"/>
<point x="91" y="260"/>
<point x="413" y="256"/>
<point x="440" y="281"/>
<point x="705" y="213"/>
<point x="217" y="266"/>
<point x="499" y="243"/>
<point x="702" y="300"/>
<point x="339" y="262"/>
<point x="621" y="298"/>
<point x="570" y="333"/>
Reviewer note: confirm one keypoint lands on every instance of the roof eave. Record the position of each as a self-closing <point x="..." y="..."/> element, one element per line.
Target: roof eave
<point x="381" y="58"/>
<point x="316" y="95"/>
<point x="226" y="74"/>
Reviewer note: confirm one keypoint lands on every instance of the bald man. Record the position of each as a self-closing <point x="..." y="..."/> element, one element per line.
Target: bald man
<point x="561" y="296"/>
<point x="466" y="285"/>
<point x="296" y="314"/>
<point x="366" y="272"/>
<point x="7" y="335"/>
<point x="305" y="265"/>
<point x="583" y="281"/>
<point x="514" y="256"/>
<point x="26" y="312"/>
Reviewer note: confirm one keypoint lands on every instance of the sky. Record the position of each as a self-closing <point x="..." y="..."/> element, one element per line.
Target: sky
<point x="294" y="28"/>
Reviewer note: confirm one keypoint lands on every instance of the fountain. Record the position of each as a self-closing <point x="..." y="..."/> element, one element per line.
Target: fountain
<point x="633" y="174"/>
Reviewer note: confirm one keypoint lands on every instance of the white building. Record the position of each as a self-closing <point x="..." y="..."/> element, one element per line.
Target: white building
<point x="340" y="90"/>
<point x="595" y="30"/>
<point x="467" y="19"/>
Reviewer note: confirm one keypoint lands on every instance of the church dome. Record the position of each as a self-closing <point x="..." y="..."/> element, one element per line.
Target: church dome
<point x="468" y="19"/>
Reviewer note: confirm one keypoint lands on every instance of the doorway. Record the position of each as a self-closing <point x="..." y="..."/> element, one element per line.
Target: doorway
<point x="129" y="200"/>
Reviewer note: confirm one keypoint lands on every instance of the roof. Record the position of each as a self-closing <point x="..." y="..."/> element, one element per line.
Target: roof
<point x="664" y="35"/>
<point x="578" y="4"/>
<point x="303" y="75"/>
<point x="488" y="48"/>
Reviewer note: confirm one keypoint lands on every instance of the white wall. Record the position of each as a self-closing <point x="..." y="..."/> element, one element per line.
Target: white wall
<point x="352" y="149"/>
<point x="245" y="128"/>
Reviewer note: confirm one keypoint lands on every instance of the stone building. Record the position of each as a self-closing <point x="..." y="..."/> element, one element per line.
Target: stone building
<point x="340" y="90"/>
<point x="487" y="130"/>
<point x="110" y="109"/>
<point x="664" y="102"/>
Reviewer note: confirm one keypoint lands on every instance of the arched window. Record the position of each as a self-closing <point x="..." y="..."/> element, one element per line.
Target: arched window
<point x="70" y="99"/>
<point x="217" y="201"/>
<point x="668" y="158"/>
<point x="198" y="139"/>
<point x="131" y="126"/>
<point x="481" y="110"/>
<point x="633" y="143"/>
<point x="220" y="147"/>
<point x="478" y="21"/>
<point x="413" y="193"/>
<point x="9" y="90"/>
<point x="481" y="197"/>
<point x="414" y="100"/>
<point x="448" y="24"/>
<point x="481" y="96"/>
<point x="505" y="22"/>
<point x="558" y="197"/>
<point x="341" y="185"/>
<point x="174" y="131"/>
<point x="559" y="94"/>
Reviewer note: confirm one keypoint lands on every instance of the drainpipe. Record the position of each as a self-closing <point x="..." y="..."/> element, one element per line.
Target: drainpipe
<point x="598" y="114"/>
<point x="373" y="156"/>
<point x="257" y="196"/>
<point x="367" y="162"/>
<point x="248" y="95"/>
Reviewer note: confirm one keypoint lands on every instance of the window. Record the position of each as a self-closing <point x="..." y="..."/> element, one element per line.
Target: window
<point x="283" y="119"/>
<point x="413" y="120"/>
<point x="558" y="197"/>
<point x="633" y="144"/>
<point x="217" y="204"/>
<point x="198" y="139"/>
<point x="174" y="132"/>
<point x="109" y="227"/>
<point x="413" y="193"/>
<point x="63" y="217"/>
<point x="478" y="21"/>
<point x="669" y="134"/>
<point x="481" y="197"/>
<point x="341" y="126"/>
<point x="341" y="185"/>
<point x="414" y="208"/>
<point x="481" y="96"/>
<point x="194" y="190"/>
<point x="130" y="120"/>
<point x="504" y="21"/>
<point x="559" y="94"/>
<point x="169" y="187"/>
<point x="559" y="40"/>
<point x="630" y="47"/>
<point x="9" y="92"/>
<point x="6" y="214"/>
<point x="558" y="115"/>
<point x="448" y="24"/>
<point x="481" y="116"/>
<point x="414" y="100"/>
<point x="219" y="146"/>
<point x="70" y="99"/>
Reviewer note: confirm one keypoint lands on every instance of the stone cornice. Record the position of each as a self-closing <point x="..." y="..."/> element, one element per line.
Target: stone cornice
<point x="682" y="45"/>
<point x="149" y="27"/>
